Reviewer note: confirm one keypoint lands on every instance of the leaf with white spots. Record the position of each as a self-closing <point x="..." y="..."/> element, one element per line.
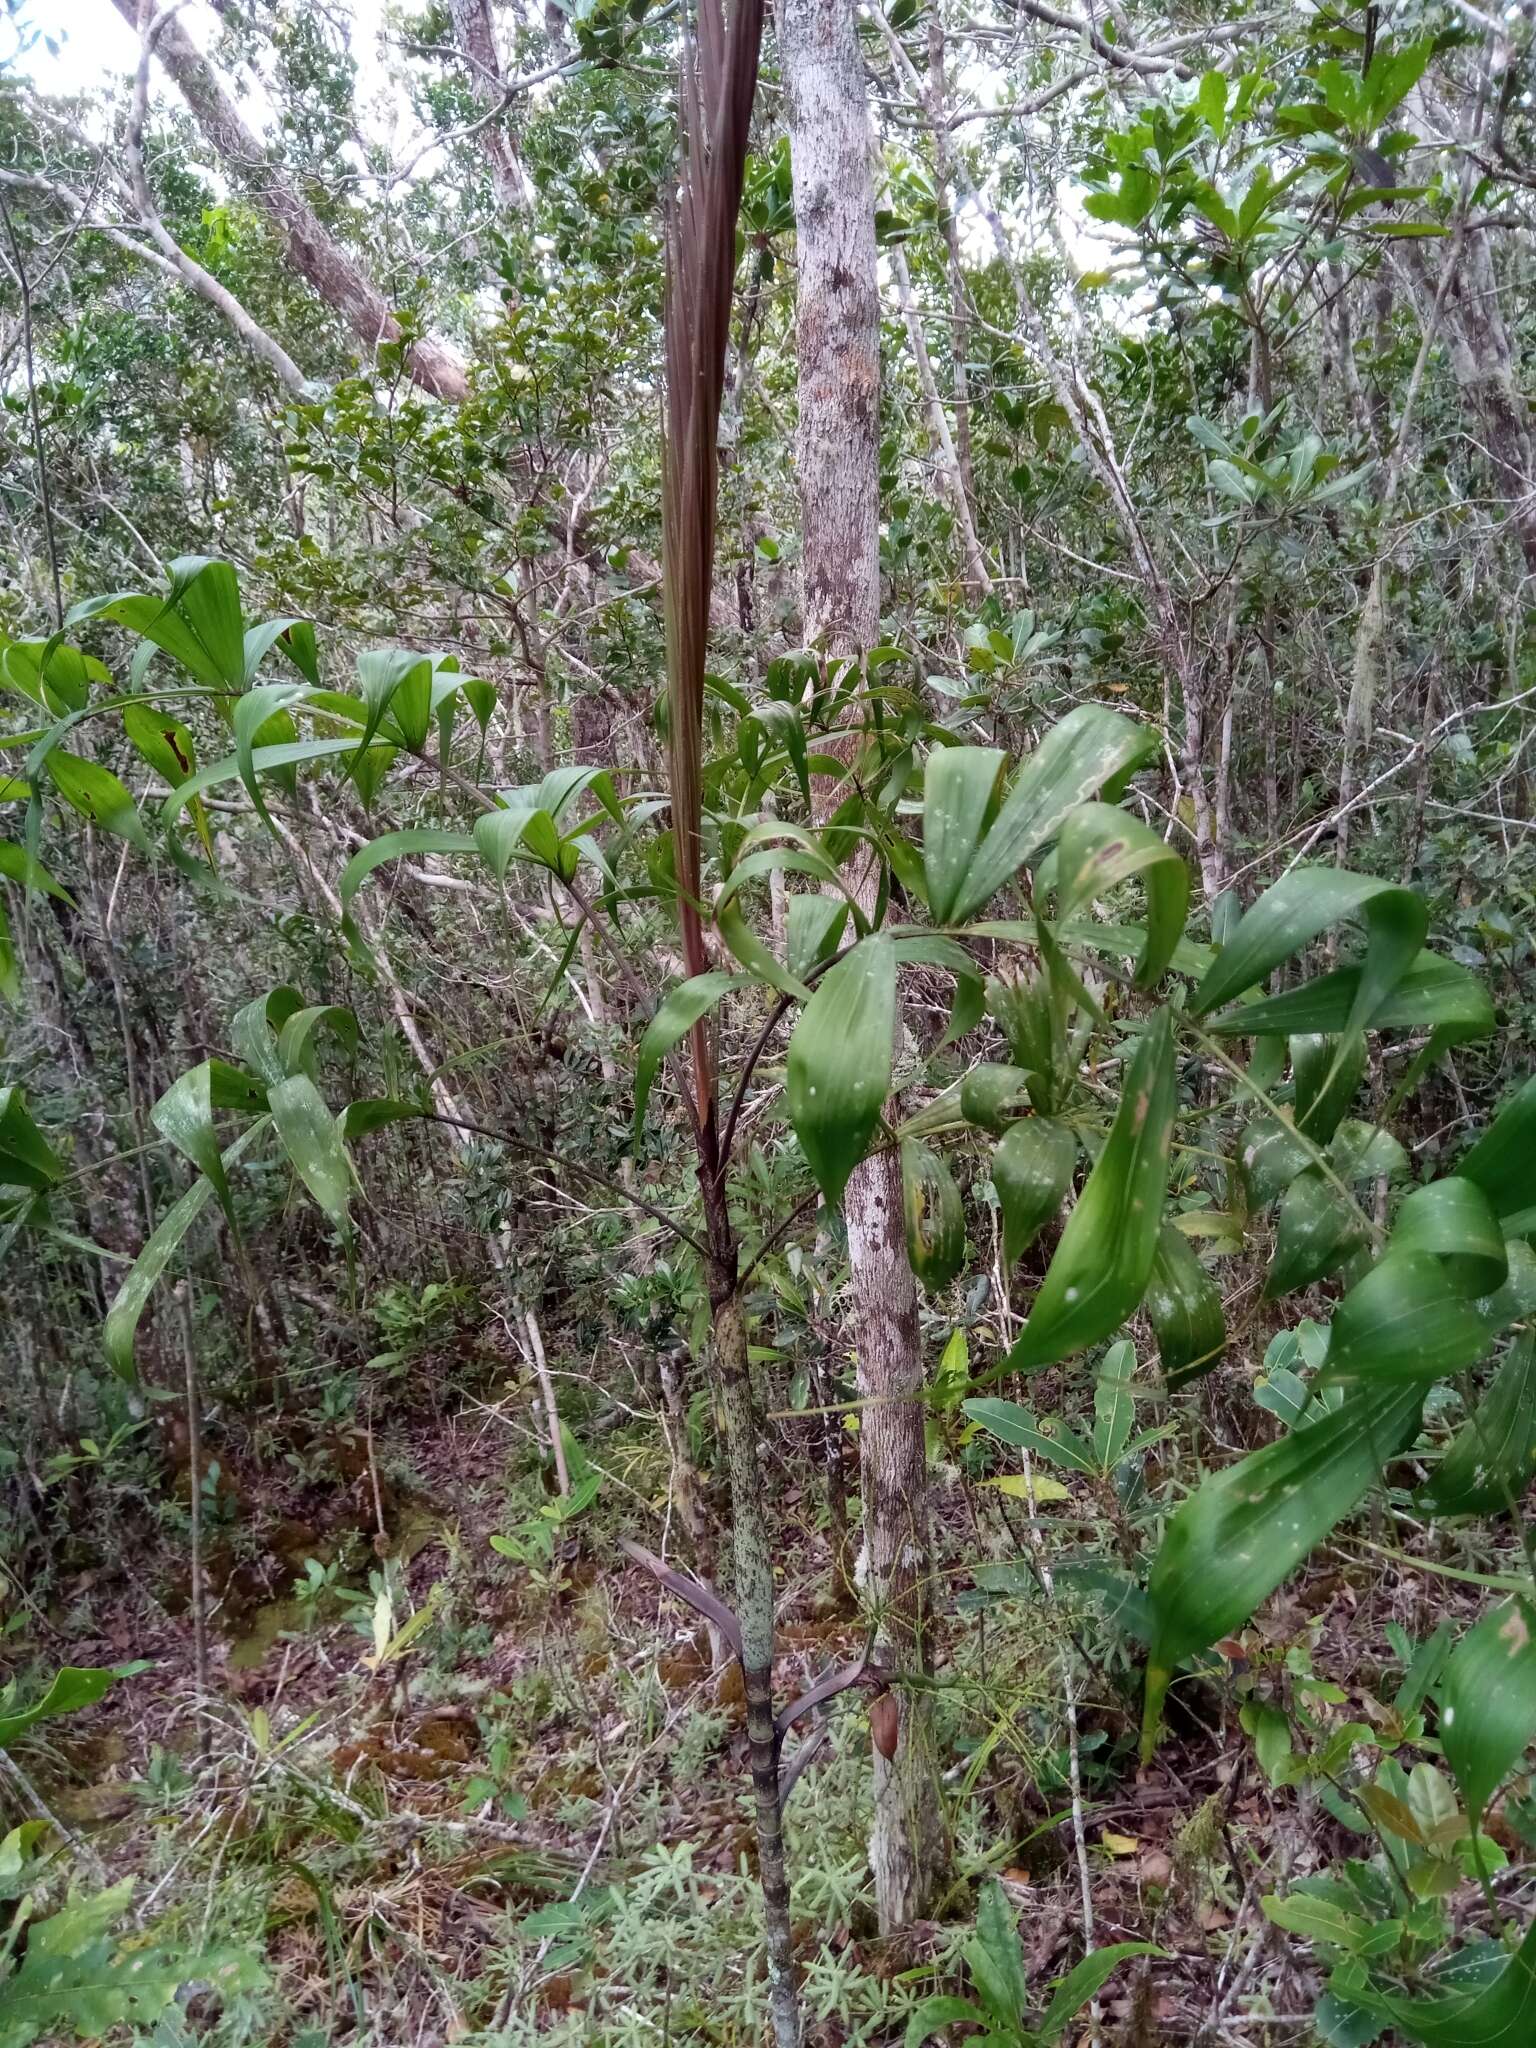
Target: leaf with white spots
<point x="1234" y="1540"/>
<point x="1101" y="1266"/>
<point x="1488" y="1701"/>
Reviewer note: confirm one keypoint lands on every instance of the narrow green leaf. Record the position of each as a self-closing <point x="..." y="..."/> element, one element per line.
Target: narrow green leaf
<point x="255" y="1027"/>
<point x="71" y="1688"/>
<point x="1452" y="1219"/>
<point x="678" y="1013"/>
<point x="1047" y="1438"/>
<point x="992" y="1095"/>
<point x="1503" y="1161"/>
<point x="314" y="1146"/>
<point x="1031" y="1171"/>
<point x="1488" y="1702"/>
<point x="1234" y="1540"/>
<point x="749" y="949"/>
<point x="1327" y="1072"/>
<point x="1294" y="910"/>
<point x="295" y="1043"/>
<point x="1434" y="995"/>
<point x="392" y="846"/>
<point x="96" y="793"/>
<point x="814" y="930"/>
<point x="1185" y="1311"/>
<point x="1082" y="1984"/>
<point x="128" y="1303"/>
<point x="1104" y="1260"/>
<point x="839" y="1062"/>
<point x="184" y="1115"/>
<point x="1099" y="848"/>
<point x="1493" y="1457"/>
<point x="933" y="1216"/>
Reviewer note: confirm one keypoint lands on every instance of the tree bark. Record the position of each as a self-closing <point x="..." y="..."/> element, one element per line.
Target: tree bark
<point x="838" y="343"/>
<point x="475" y="33"/>
<point x="312" y="248"/>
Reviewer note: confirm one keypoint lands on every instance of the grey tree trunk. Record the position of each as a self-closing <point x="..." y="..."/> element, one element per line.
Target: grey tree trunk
<point x="312" y="248"/>
<point x="838" y="341"/>
<point x="475" y="32"/>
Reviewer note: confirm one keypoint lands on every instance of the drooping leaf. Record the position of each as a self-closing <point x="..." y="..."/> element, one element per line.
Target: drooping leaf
<point x="1099" y="848"/>
<point x="1031" y="1171"/>
<point x="184" y="1114"/>
<point x="398" y="681"/>
<point x="1104" y="1260"/>
<point x="128" y="1304"/>
<point x="27" y="1160"/>
<point x="1092" y="751"/>
<point x="1295" y="910"/>
<point x="813" y="930"/>
<point x="961" y="791"/>
<point x="296" y="1039"/>
<point x="392" y="846"/>
<point x="314" y="1146"/>
<point x="1452" y="1220"/>
<point x="1184" y="1308"/>
<point x="838" y="1070"/>
<point x="1315" y="1232"/>
<point x="678" y="1013"/>
<point x="1235" y="1539"/>
<point x="1434" y="995"/>
<point x="1493" y="1457"/>
<point x="993" y="1094"/>
<point x="1405" y="1321"/>
<point x="96" y="793"/>
<point x="161" y="740"/>
<point x="71" y="1688"/>
<point x="254" y="1031"/>
<point x="933" y="1217"/>
<point x="1503" y="1161"/>
<point x="1327" y="1073"/>
<point x="750" y="950"/>
<point x="1488" y="1702"/>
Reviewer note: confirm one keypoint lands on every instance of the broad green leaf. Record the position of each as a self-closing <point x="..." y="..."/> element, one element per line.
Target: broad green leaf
<point x="992" y="1095"/>
<point x="1405" y="1321"/>
<point x="933" y="1217"/>
<point x="1503" y="1161"/>
<point x="206" y="594"/>
<point x="1493" y="1457"/>
<point x="748" y="948"/>
<point x="961" y="791"/>
<point x="1269" y="1157"/>
<point x="96" y="793"/>
<point x="184" y="1114"/>
<point x="1294" y="910"/>
<point x="1082" y="1984"/>
<point x="1315" y="1232"/>
<point x="1451" y="1219"/>
<point x="814" y="930"/>
<point x="995" y="1957"/>
<point x="71" y="1688"/>
<point x="1235" y="1539"/>
<point x="128" y="1303"/>
<point x="1434" y="995"/>
<point x="295" y="1043"/>
<point x="1327" y="1072"/>
<point x="679" y="1012"/>
<point x="161" y="740"/>
<point x="938" y="2012"/>
<point x="839" y="1062"/>
<point x="1270" y="1733"/>
<point x="499" y="836"/>
<point x="1031" y="1171"/>
<point x="314" y="1146"/>
<point x="255" y="1027"/>
<point x="399" y="681"/>
<point x="55" y="676"/>
<point x="1099" y="848"/>
<point x="1498" y="2013"/>
<point x="1047" y="1438"/>
<point x="1488" y="1702"/>
<point x="1104" y="1260"/>
<point x="1184" y="1309"/>
<point x="372" y="1112"/>
<point x="1093" y="751"/>
<point x="27" y="1160"/>
<point x="392" y="846"/>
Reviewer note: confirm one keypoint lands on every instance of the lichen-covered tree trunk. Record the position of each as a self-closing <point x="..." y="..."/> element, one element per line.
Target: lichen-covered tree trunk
<point x="838" y="343"/>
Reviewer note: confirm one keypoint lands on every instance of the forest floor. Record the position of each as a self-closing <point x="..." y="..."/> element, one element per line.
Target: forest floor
<point x="451" y="1790"/>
